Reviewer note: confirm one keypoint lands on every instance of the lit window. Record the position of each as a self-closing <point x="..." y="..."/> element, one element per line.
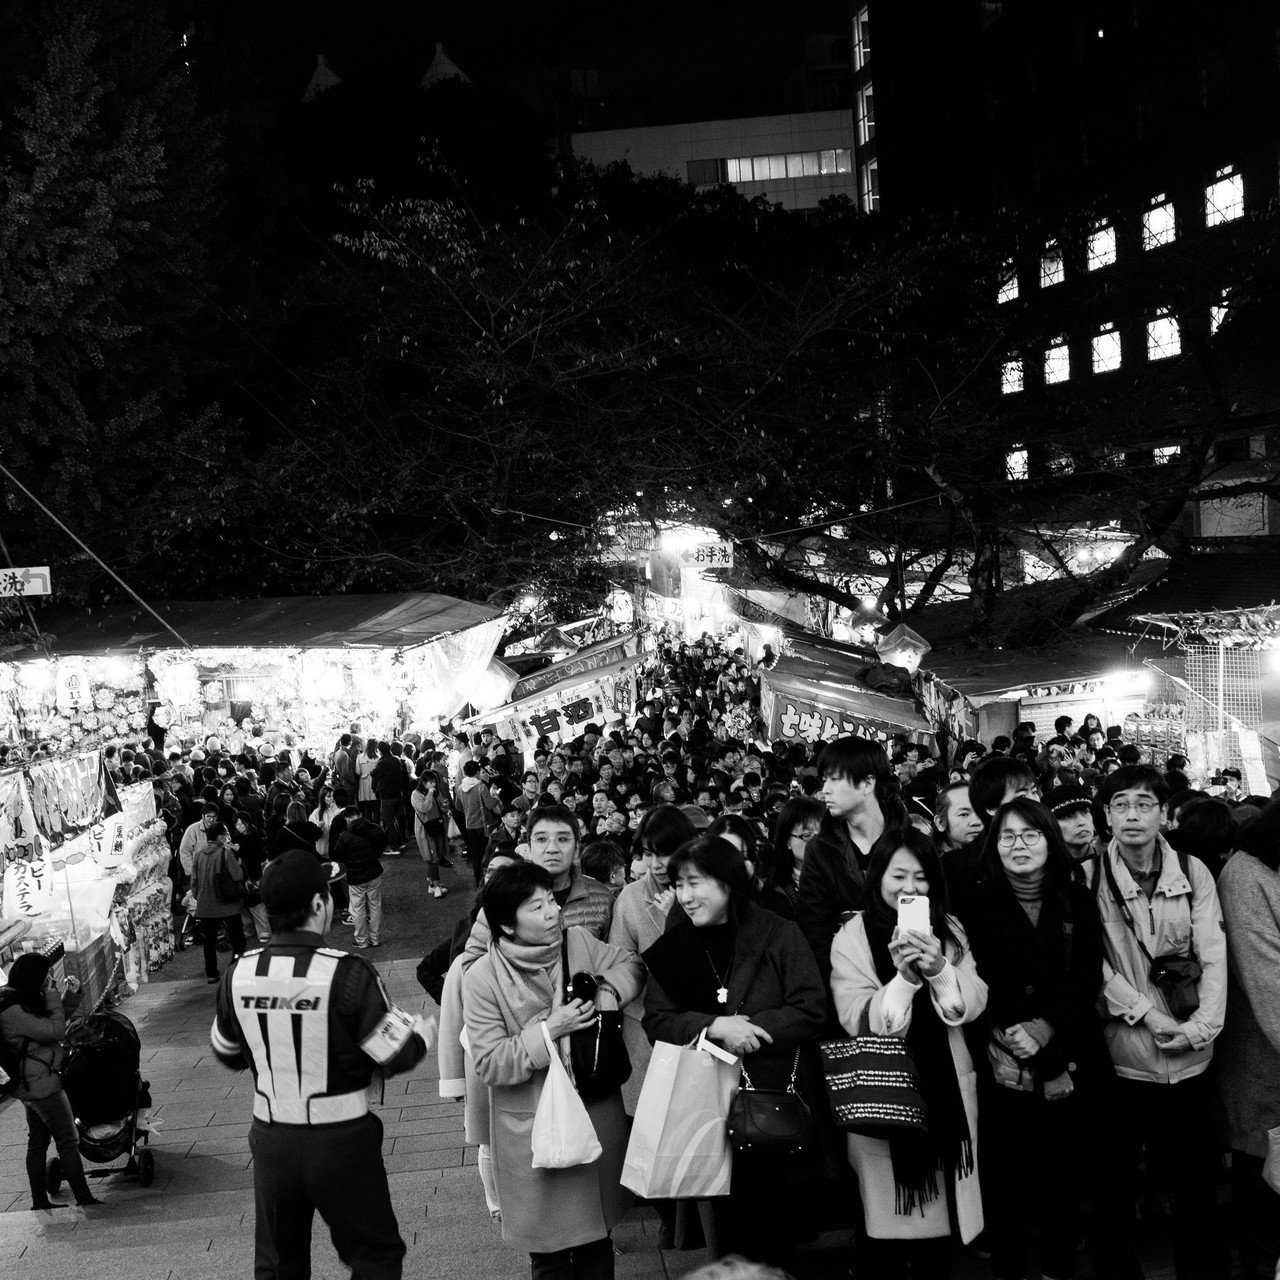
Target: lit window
<point x="733" y="171"/>
<point x="1163" y="337"/>
<point x="1224" y="198"/>
<point x="1008" y="284"/>
<point x="1159" y="226"/>
<point x="861" y="39"/>
<point x="1102" y="246"/>
<point x="769" y="167"/>
<point x="866" y="115"/>
<point x="1011" y="376"/>
<point x="1166" y="453"/>
<point x="1218" y="313"/>
<point x="869" y="187"/>
<point x="1051" y="268"/>
<point x="1106" y="349"/>
<point x="1016" y="465"/>
<point x="1057" y="363"/>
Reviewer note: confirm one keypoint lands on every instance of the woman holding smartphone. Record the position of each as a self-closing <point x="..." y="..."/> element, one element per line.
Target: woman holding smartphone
<point x="902" y="967"/>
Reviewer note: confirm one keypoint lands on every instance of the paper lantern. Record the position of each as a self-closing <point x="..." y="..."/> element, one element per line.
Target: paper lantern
<point x="903" y="647"/>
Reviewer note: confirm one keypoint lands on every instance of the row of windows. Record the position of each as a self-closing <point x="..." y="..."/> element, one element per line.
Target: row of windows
<point x="1223" y="202"/>
<point x="1164" y="339"/>
<point x="861" y="38"/>
<point x="798" y="164"/>
<point x="1017" y="462"/>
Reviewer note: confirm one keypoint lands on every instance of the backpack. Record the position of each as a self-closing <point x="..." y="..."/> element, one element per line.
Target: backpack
<point x="11" y="1059"/>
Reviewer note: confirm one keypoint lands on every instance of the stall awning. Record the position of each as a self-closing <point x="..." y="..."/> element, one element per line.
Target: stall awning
<point x="603" y="658"/>
<point x="826" y="705"/>
<point x="287" y="622"/>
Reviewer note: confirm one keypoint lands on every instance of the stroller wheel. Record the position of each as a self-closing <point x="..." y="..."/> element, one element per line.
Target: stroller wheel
<point x="53" y="1177"/>
<point x="146" y="1168"/>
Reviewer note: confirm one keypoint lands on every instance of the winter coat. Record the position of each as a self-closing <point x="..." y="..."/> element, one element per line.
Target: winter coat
<point x="39" y="1042"/>
<point x="388" y="778"/>
<point x="210" y="904"/>
<point x="1031" y="974"/>
<point x="1183" y="915"/>
<point x="545" y="1210"/>
<point x="1247" y="1057"/>
<point x="477" y="805"/>
<point x="637" y="924"/>
<point x="774" y="982"/>
<point x="358" y="848"/>
<point x="193" y="840"/>
<point x="364" y="772"/>
<point x="856" y="987"/>
<point x="344" y="772"/>
<point x="831" y="885"/>
<point x="457" y="1067"/>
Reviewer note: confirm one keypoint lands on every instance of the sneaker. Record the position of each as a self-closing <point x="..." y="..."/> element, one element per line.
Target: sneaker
<point x="439" y="891"/>
<point x="444" y="862"/>
<point x="213" y="980"/>
<point x="374" y="943"/>
<point x="347" y="918"/>
<point x="362" y="946"/>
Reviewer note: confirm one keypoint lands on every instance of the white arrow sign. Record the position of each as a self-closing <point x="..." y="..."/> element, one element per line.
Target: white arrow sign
<point x="25" y="581"/>
<point x="708" y="555"/>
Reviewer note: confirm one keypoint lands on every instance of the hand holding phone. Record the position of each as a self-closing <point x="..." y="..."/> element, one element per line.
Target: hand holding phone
<point x="913" y="913"/>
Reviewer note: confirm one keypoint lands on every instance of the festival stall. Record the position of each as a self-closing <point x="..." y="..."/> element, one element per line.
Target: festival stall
<point x="85" y="872"/>
<point x="595" y="685"/>
<point x="309" y="666"/>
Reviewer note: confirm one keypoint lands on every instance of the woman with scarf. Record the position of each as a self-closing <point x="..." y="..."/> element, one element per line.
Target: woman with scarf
<point x="561" y="1217"/>
<point x="748" y="979"/>
<point x="1037" y="939"/>
<point x="923" y="987"/>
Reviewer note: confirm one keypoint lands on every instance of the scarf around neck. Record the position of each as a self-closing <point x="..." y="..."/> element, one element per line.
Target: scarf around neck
<point x="948" y="1141"/>
<point x="531" y="977"/>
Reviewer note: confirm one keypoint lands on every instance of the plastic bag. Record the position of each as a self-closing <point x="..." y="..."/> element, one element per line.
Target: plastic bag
<point x="563" y="1135"/>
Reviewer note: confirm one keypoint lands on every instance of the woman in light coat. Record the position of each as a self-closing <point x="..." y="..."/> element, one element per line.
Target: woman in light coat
<point x="366" y="801"/>
<point x="925" y="988"/>
<point x="1247" y="1058"/>
<point x="561" y="1217"/>
<point x="640" y="919"/>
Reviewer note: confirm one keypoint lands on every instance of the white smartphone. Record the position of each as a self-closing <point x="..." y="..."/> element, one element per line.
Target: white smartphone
<point x="913" y="913"/>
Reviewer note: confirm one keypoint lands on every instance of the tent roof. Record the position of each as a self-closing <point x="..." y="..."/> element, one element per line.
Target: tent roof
<point x="304" y="622"/>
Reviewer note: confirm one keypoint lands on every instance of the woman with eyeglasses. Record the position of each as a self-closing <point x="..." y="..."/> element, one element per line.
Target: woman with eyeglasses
<point x="1037" y="938"/>
<point x="797" y="824"/>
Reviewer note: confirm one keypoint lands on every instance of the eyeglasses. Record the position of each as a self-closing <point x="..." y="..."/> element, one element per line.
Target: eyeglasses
<point x="1134" y="806"/>
<point x="1026" y="839"/>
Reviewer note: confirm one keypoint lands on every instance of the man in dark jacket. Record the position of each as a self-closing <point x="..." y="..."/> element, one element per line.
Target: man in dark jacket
<point x="358" y="848"/>
<point x="388" y="782"/>
<point x="860" y="792"/>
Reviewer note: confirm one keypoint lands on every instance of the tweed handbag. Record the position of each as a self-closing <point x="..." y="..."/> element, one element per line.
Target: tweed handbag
<point x="872" y="1086"/>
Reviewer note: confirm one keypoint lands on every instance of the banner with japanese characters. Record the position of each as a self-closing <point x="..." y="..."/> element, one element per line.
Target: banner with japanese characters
<point x="606" y="655"/>
<point x="560" y="715"/>
<point x="809" y="711"/>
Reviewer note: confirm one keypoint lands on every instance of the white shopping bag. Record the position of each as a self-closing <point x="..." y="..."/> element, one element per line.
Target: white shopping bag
<point x="563" y="1135"/>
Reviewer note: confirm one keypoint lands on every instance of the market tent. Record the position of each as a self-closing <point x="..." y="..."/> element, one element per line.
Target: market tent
<point x="806" y="701"/>
<point x="289" y="622"/>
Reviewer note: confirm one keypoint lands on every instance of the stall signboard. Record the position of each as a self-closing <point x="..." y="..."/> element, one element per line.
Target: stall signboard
<point x="27" y="889"/>
<point x="595" y="658"/>
<point x="559" y="714"/>
<point x="707" y="555"/>
<point x="807" y="710"/>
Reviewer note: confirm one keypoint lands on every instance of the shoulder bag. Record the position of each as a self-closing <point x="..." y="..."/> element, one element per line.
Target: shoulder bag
<point x="770" y="1119"/>
<point x="597" y="1054"/>
<point x="1176" y="977"/>
<point x="230" y="886"/>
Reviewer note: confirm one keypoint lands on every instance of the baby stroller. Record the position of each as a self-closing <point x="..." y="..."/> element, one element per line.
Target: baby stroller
<point x="107" y="1093"/>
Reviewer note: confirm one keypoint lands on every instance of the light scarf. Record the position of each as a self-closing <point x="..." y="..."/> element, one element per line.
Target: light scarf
<point x="532" y="980"/>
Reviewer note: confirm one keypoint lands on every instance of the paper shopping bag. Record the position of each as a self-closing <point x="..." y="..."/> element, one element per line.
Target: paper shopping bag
<point x="679" y="1143"/>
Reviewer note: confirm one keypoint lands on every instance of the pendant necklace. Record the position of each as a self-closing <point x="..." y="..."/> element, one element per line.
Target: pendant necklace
<point x="722" y="991"/>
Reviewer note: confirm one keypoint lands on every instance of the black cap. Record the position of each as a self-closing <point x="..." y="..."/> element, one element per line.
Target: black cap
<point x="1067" y="799"/>
<point x="293" y="878"/>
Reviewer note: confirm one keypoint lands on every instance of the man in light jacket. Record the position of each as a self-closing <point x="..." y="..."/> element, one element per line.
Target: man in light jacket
<point x="1157" y="905"/>
<point x="478" y="810"/>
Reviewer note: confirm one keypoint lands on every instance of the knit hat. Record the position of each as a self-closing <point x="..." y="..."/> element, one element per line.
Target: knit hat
<point x="293" y="878"/>
<point x="1067" y="799"/>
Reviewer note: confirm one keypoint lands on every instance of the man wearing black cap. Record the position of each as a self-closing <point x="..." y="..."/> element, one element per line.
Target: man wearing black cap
<point x="316" y="1028"/>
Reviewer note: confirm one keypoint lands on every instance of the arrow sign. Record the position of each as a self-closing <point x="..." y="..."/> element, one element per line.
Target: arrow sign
<point x="707" y="555"/>
<point x="25" y="581"/>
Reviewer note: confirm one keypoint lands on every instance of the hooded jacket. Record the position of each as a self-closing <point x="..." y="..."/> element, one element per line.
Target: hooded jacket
<point x="358" y="848"/>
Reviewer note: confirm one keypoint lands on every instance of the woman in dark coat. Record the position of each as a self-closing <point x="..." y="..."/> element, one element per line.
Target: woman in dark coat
<point x="748" y="979"/>
<point x="1043" y="1065"/>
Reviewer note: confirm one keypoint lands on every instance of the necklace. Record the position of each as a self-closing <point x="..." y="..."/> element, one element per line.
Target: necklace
<point x="722" y="991"/>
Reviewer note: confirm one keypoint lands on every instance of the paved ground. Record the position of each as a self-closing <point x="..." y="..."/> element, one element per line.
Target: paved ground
<point x="196" y="1221"/>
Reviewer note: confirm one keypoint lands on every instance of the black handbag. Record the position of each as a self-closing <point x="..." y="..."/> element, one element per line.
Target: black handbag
<point x="597" y="1054"/>
<point x="872" y="1086"/>
<point x="1176" y="977"/>
<point x="229" y="888"/>
<point x="776" y="1120"/>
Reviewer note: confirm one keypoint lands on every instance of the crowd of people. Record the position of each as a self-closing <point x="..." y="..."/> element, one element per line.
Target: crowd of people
<point x="1088" y="987"/>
